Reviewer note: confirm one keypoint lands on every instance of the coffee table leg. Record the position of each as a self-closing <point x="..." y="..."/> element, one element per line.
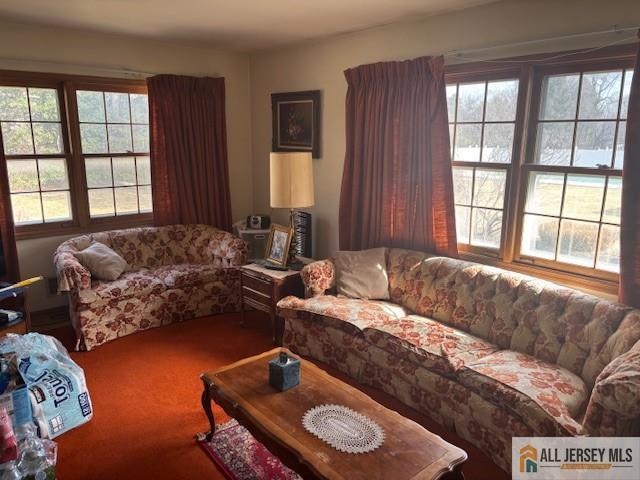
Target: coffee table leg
<point x="206" y="405"/>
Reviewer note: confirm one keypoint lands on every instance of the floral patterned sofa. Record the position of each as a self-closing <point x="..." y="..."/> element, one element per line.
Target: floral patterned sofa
<point x="176" y="272"/>
<point x="487" y="353"/>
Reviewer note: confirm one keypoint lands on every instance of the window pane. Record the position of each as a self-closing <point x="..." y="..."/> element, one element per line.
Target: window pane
<point x="554" y="143"/>
<point x="117" y="107"/>
<point x="600" y="95"/>
<point x="101" y="202"/>
<point x="613" y="201"/>
<point x="144" y="195"/>
<point x="619" y="157"/>
<point x="624" y="110"/>
<point x="489" y="188"/>
<point x="53" y="174"/>
<point x="119" y="138"/>
<point x="594" y="144"/>
<point x="23" y="176"/>
<point x="144" y="170"/>
<point x="539" y="236"/>
<point x="94" y="138"/>
<point x="26" y="208"/>
<point x="462" y="184"/>
<point x="139" y="108"/>
<point x="48" y="138"/>
<point x="17" y="138"/>
<point x="14" y="104"/>
<point x="468" y="142"/>
<point x="470" y="102"/>
<point x="140" y="138"/>
<point x="559" y="97"/>
<point x="56" y="206"/>
<point x="44" y="105"/>
<point x="583" y="197"/>
<point x="544" y="194"/>
<point x="452" y="129"/>
<point x="124" y="171"/>
<point x="486" y="226"/>
<point x="463" y="221"/>
<point x="498" y="142"/>
<point x="451" y="102"/>
<point x="98" y="171"/>
<point x="126" y="200"/>
<point x="609" y="251"/>
<point x="90" y="106"/>
<point x="578" y="242"/>
<point x="502" y="99"/>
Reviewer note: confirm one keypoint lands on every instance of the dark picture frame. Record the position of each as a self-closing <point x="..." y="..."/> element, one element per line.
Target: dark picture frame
<point x="296" y="122"/>
<point x="278" y="245"/>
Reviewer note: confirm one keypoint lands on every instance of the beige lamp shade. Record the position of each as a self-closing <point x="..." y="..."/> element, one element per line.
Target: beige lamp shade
<point x="291" y="179"/>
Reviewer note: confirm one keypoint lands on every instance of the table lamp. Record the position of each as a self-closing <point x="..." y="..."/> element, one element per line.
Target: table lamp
<point x="291" y="180"/>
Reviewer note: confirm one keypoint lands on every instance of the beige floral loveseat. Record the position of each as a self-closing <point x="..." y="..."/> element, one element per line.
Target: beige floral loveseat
<point x="176" y="272"/>
<point x="487" y="353"/>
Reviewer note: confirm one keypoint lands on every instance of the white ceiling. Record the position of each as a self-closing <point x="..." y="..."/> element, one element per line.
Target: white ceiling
<point x="237" y="24"/>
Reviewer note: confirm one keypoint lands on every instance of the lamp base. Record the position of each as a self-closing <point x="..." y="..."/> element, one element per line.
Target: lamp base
<point x="292" y="260"/>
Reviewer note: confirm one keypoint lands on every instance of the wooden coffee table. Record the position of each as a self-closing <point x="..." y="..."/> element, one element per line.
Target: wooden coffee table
<point x="274" y="418"/>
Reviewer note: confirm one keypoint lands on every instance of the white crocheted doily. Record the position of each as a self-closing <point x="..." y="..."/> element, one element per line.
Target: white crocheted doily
<point x="344" y="429"/>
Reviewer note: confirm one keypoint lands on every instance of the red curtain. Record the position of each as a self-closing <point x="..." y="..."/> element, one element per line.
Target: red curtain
<point x="12" y="270"/>
<point x="397" y="187"/>
<point x="190" y="172"/>
<point x="630" y="222"/>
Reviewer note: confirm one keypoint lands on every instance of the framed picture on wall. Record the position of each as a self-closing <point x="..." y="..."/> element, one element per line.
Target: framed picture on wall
<point x="296" y="122"/>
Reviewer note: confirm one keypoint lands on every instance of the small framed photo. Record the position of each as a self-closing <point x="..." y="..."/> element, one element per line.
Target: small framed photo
<point x="296" y="122"/>
<point x="278" y="245"/>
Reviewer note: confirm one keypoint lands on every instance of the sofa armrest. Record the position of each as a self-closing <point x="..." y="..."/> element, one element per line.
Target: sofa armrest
<point x="230" y="250"/>
<point x="614" y="406"/>
<point x="318" y="277"/>
<point x="70" y="272"/>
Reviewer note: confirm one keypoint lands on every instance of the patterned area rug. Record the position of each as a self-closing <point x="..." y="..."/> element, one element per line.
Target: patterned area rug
<point x="241" y="457"/>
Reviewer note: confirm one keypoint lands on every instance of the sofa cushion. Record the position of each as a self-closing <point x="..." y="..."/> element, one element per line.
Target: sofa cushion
<point x="435" y="346"/>
<point x="130" y="284"/>
<point x="541" y="393"/>
<point x="101" y="261"/>
<point x="362" y="274"/>
<point x="346" y="313"/>
<point x="186" y="274"/>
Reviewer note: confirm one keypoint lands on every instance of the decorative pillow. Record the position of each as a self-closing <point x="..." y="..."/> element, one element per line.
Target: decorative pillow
<point x="362" y="274"/>
<point x="101" y="261"/>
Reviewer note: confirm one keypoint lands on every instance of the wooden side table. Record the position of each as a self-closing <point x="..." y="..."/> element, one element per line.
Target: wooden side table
<point x="263" y="288"/>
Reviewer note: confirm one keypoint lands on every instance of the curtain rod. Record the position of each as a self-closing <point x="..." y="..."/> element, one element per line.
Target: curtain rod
<point x="615" y="29"/>
<point x="91" y="67"/>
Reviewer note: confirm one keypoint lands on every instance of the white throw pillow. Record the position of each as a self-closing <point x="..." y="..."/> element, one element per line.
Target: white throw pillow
<point x="362" y="274"/>
<point x="102" y="261"/>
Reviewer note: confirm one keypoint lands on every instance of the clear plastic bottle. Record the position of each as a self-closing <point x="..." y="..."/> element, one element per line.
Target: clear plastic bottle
<point x="36" y="456"/>
<point x="9" y="471"/>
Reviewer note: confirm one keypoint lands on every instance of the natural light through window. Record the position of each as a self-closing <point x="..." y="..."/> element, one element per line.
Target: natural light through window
<point x="36" y="154"/>
<point x="482" y="119"/>
<point x="114" y="132"/>
<point x="572" y="210"/>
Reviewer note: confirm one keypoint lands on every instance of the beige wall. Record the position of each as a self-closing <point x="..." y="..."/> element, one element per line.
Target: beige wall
<point x="56" y="50"/>
<point x="320" y="65"/>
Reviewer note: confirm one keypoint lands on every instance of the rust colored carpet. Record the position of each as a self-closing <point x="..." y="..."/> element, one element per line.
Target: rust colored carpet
<point x="146" y="398"/>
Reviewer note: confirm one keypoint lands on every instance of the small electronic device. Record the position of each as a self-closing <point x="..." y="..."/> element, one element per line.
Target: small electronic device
<point x="258" y="222"/>
<point x="257" y="242"/>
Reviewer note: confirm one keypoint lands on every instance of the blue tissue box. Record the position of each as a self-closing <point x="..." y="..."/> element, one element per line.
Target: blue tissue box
<point x="284" y="372"/>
